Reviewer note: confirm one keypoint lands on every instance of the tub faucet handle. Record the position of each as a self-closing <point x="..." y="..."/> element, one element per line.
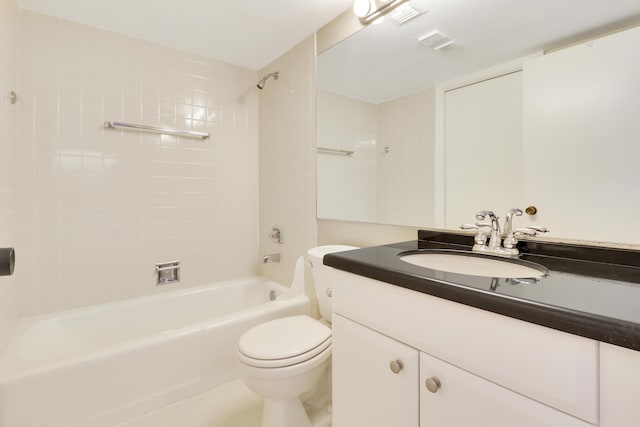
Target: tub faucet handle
<point x="276" y="235"/>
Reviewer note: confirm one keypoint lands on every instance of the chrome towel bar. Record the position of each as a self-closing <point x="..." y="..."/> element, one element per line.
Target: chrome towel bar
<point x="334" y="151"/>
<point x="168" y="131"/>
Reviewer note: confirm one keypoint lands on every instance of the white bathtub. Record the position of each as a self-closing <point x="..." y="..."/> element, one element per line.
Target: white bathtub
<point x="102" y="365"/>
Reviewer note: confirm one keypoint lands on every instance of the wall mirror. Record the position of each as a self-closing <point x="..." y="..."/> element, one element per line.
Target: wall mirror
<point x="424" y="122"/>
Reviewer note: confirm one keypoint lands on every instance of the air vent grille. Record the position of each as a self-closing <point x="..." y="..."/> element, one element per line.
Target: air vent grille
<point x="404" y="14"/>
<point x="436" y="41"/>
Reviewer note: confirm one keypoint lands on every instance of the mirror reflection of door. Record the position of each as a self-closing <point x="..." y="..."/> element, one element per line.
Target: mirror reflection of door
<point x="483" y="149"/>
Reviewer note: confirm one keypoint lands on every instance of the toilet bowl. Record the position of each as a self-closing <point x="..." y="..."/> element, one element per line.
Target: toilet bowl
<point x="284" y="359"/>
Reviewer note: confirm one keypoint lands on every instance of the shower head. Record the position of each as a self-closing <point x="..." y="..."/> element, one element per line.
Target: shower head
<point x="263" y="80"/>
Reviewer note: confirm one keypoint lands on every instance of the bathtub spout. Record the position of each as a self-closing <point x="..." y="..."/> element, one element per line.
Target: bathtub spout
<point x="271" y="258"/>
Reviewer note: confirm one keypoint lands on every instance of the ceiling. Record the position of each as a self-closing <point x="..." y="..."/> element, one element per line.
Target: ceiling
<point x="385" y="61"/>
<point x="249" y="33"/>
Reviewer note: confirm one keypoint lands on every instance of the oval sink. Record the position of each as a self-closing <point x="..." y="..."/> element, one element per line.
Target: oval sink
<point x="475" y="265"/>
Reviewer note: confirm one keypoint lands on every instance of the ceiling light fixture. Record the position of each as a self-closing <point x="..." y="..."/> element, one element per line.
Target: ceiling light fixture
<point x="370" y="10"/>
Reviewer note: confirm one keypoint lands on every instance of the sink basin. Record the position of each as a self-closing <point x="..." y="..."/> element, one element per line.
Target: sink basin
<point x="475" y="265"/>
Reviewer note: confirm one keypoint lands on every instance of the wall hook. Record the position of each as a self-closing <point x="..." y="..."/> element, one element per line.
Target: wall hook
<point x="13" y="97"/>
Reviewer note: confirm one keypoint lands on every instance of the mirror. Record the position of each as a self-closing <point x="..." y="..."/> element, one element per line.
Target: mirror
<point x="381" y="103"/>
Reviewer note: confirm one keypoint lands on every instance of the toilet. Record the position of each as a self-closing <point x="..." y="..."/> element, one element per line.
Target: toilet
<point x="284" y="359"/>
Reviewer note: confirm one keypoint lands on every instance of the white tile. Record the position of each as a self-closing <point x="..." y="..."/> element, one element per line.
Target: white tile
<point x="94" y="183"/>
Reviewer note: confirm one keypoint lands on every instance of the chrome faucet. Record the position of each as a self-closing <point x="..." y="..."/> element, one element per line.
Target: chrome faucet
<point x="496" y="245"/>
<point x="508" y="221"/>
<point x="494" y="238"/>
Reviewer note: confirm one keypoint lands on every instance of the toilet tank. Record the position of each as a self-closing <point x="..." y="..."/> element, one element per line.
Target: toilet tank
<point x="322" y="277"/>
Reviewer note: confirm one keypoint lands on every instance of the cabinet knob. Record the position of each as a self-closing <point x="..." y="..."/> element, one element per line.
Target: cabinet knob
<point x="396" y="366"/>
<point x="433" y="384"/>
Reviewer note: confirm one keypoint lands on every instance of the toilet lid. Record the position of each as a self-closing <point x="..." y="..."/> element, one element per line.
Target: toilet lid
<point x="285" y="341"/>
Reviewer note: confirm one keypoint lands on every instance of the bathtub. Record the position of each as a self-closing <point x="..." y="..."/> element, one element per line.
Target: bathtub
<point x="103" y="365"/>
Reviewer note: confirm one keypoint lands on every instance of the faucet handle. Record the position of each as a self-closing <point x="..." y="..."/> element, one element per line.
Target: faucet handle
<point x="528" y="231"/>
<point x="480" y="237"/>
<point x="483" y="214"/>
<point x="477" y="226"/>
<point x="511" y="240"/>
<point x="538" y="228"/>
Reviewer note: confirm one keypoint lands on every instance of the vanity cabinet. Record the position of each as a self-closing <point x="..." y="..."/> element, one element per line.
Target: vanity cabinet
<point x="458" y="398"/>
<point x="492" y="369"/>
<point x="379" y="381"/>
<point x="619" y="386"/>
<point x="376" y="378"/>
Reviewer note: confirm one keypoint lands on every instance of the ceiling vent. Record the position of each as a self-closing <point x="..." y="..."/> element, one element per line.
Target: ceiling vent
<point x="405" y="13"/>
<point x="436" y="41"/>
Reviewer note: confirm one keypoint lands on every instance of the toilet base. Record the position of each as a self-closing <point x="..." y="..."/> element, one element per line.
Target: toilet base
<point x="284" y="412"/>
<point x="320" y="417"/>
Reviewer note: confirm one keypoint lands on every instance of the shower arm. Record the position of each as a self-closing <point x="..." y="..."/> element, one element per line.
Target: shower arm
<point x="261" y="83"/>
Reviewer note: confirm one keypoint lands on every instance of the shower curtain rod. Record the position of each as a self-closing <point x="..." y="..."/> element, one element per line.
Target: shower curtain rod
<point x="190" y="133"/>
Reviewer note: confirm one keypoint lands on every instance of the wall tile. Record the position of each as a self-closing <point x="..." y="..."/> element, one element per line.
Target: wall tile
<point x="9" y="159"/>
<point x="287" y="161"/>
<point x="100" y="207"/>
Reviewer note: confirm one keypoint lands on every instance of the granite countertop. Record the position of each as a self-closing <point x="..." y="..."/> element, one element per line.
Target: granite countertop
<point x="591" y="292"/>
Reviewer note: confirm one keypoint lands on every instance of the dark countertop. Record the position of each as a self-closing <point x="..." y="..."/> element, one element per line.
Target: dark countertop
<point x="588" y="291"/>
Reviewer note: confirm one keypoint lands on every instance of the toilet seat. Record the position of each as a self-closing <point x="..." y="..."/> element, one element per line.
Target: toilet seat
<point x="284" y="342"/>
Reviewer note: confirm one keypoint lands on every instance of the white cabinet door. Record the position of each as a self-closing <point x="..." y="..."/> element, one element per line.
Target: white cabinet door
<point x="464" y="399"/>
<point x="619" y="386"/>
<point x="366" y="392"/>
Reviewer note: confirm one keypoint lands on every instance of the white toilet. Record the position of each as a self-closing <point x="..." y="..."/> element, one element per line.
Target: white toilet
<point x="283" y="359"/>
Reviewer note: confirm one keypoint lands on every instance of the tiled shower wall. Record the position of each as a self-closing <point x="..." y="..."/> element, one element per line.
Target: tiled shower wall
<point x="100" y="207"/>
<point x="9" y="303"/>
<point x="406" y="178"/>
<point x="389" y="178"/>
<point x="347" y="124"/>
<point x="287" y="159"/>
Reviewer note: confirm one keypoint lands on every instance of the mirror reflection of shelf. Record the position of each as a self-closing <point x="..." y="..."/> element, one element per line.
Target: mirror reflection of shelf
<point x="334" y="151"/>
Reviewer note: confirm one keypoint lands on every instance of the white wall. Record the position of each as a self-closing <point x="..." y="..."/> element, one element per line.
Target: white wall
<point x="581" y="132"/>
<point x="9" y="302"/>
<point x="287" y="159"/>
<point x="101" y="207"/>
<point x="347" y="185"/>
